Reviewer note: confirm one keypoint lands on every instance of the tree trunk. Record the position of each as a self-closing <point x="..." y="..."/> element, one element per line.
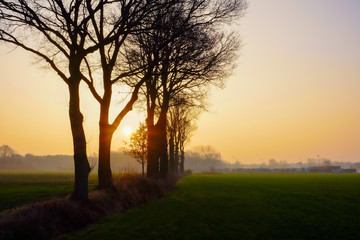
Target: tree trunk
<point x="104" y="170"/>
<point x="152" y="152"/>
<point x="143" y="168"/>
<point x="177" y="156"/>
<point x="171" y="155"/>
<point x="182" y="161"/>
<point x="82" y="167"/>
<point x="107" y="130"/>
<point x="182" y="155"/>
<point x="164" y="161"/>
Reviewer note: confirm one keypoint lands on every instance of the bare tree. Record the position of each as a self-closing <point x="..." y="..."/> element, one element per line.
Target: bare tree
<point x="138" y="146"/>
<point x="81" y="40"/>
<point x="62" y="34"/>
<point x="273" y="163"/>
<point x="201" y="158"/>
<point x="6" y="151"/>
<point x="187" y="127"/>
<point x="130" y="17"/>
<point x="184" y="53"/>
<point x="180" y="125"/>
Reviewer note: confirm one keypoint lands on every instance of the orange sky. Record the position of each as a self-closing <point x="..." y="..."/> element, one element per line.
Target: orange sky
<point x="294" y="95"/>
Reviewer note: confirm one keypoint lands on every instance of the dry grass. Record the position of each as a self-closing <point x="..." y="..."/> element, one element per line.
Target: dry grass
<point x="51" y="218"/>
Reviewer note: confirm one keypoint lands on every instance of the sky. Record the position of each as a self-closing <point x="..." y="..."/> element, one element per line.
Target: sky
<point x="294" y="95"/>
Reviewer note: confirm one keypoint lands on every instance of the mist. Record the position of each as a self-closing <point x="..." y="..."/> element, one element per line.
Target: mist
<point x="198" y="159"/>
<point x="120" y="162"/>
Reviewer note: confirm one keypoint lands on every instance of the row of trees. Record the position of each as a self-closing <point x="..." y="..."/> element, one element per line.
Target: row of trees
<point x="180" y="124"/>
<point x="160" y="50"/>
<point x="198" y="159"/>
<point x="120" y="162"/>
<point x="205" y="159"/>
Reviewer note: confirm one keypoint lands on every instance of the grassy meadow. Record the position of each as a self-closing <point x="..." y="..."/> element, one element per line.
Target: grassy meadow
<point x="17" y="188"/>
<point x="218" y="206"/>
<point x="244" y="206"/>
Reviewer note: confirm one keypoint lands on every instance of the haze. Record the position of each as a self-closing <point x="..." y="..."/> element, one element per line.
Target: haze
<point x="294" y="95"/>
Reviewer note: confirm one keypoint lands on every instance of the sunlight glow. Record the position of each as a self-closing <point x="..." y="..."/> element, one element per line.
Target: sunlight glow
<point x="293" y="95"/>
<point x="127" y="131"/>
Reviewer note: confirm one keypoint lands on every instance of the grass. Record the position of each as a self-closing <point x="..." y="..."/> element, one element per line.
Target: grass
<point x="17" y="188"/>
<point x="48" y="219"/>
<point x="246" y="206"/>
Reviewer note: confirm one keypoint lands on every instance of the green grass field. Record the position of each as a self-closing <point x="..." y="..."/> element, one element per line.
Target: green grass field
<point x="18" y="188"/>
<point x="247" y="206"/>
<point x="222" y="206"/>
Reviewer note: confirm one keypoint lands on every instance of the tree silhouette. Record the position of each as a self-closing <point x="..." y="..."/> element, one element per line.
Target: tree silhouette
<point x="129" y="17"/>
<point x="184" y="53"/>
<point x="207" y="157"/>
<point x="138" y="146"/>
<point x="63" y="34"/>
<point x="6" y="151"/>
<point x="57" y="33"/>
<point x="180" y="125"/>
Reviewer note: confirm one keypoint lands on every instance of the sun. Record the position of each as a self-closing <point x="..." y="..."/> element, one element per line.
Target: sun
<point x="127" y="131"/>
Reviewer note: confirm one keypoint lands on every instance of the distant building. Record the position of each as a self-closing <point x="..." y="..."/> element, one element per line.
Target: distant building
<point x="324" y="169"/>
<point x="348" y="170"/>
<point x="310" y="169"/>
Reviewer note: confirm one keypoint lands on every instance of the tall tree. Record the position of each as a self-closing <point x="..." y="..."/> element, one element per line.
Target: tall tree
<point x="190" y="52"/>
<point x="129" y="18"/>
<point x="62" y="34"/>
<point x="180" y="125"/>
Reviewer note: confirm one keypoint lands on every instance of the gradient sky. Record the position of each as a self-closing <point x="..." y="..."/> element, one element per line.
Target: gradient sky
<point x="294" y="95"/>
